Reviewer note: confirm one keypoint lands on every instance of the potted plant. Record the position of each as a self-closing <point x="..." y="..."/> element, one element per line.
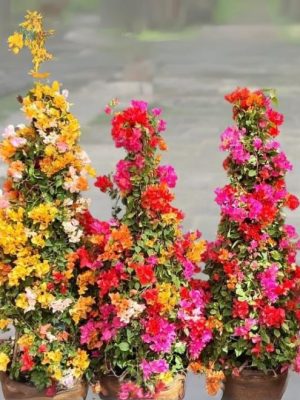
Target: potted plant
<point x="149" y="316"/>
<point x="252" y="264"/>
<point x="40" y="232"/>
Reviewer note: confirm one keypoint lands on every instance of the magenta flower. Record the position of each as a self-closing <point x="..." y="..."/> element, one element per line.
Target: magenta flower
<point x="246" y="328"/>
<point x="154" y="367"/>
<point x="230" y="138"/>
<point x="297" y="362"/>
<point x="156" y="112"/>
<point x="282" y="163"/>
<point x="122" y="176"/>
<point x="291" y="232"/>
<point x="142" y="105"/>
<point x="167" y="174"/>
<point x="162" y="125"/>
<point x="268" y="281"/>
<point x="257" y="143"/>
<point x="159" y="334"/>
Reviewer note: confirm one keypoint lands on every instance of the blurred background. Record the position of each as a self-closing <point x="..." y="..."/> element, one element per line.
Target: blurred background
<point x="181" y="55"/>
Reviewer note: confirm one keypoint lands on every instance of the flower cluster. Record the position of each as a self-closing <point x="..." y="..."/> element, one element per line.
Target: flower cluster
<point x="40" y="232"/>
<point x="32" y="35"/>
<point x="252" y="264"/>
<point x="149" y="313"/>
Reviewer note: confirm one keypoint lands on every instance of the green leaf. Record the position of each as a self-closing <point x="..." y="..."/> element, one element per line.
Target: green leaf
<point x="124" y="346"/>
<point x="252" y="173"/>
<point x="275" y="255"/>
<point x="277" y="333"/>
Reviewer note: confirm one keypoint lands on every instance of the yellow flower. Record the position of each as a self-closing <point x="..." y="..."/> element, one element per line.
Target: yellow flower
<point x="150" y="243"/>
<point x="54" y="357"/>
<point x="15" y="42"/>
<point x="164" y="256"/>
<point x="12" y="237"/>
<point x="4" y="323"/>
<point x="22" y="301"/>
<point x="60" y="102"/>
<point x="195" y="253"/>
<point x="56" y="373"/>
<point x="91" y="171"/>
<point x="82" y="308"/>
<point x="7" y="150"/>
<point x="38" y="240"/>
<point x="80" y="362"/>
<point x="42" y="268"/>
<point x="26" y="340"/>
<point x="84" y="280"/>
<point x="43" y="214"/>
<point x="25" y="265"/>
<point x="43" y="296"/>
<point x="51" y="165"/>
<point x="166" y="377"/>
<point x="170" y="218"/>
<point x="20" y="272"/>
<point x="4" y="360"/>
<point x="167" y="297"/>
<point x="35" y="42"/>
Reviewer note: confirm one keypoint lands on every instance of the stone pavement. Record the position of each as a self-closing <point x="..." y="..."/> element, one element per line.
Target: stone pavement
<point x="188" y="78"/>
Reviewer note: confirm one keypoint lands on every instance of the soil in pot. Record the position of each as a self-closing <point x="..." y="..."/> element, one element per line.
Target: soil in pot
<point x="13" y="390"/>
<point x="255" y="385"/>
<point x="110" y="386"/>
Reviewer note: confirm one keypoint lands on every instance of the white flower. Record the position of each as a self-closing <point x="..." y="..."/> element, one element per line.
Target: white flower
<point x="48" y="138"/>
<point x="75" y="237"/>
<point x="68" y="202"/>
<point x="72" y="230"/>
<point x="11" y="135"/>
<point x="82" y="205"/>
<point x="65" y="93"/>
<point x="9" y="132"/>
<point x="82" y="155"/>
<point x="31" y="298"/>
<point x="50" y="337"/>
<point x="60" y="305"/>
<point x="134" y="310"/>
<point x="68" y="379"/>
<point x="18" y="141"/>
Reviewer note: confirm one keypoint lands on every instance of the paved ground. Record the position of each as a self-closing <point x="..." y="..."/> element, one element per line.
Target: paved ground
<point x="188" y="78"/>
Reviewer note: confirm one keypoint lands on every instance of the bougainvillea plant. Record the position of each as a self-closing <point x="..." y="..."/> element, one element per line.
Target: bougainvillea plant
<point x="252" y="264"/>
<point x="40" y="231"/>
<point x="149" y="316"/>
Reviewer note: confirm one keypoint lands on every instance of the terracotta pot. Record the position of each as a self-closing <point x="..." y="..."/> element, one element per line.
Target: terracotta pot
<point x="13" y="390"/>
<point x="110" y="386"/>
<point x="255" y="385"/>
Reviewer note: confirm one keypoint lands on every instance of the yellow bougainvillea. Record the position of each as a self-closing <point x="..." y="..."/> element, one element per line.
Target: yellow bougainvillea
<point x="4" y="360"/>
<point x="33" y="36"/>
<point x="41" y="215"/>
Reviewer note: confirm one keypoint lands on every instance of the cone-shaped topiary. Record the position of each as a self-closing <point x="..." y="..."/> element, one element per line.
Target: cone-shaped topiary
<point x="149" y="317"/>
<point x="40" y="231"/>
<point x="252" y="265"/>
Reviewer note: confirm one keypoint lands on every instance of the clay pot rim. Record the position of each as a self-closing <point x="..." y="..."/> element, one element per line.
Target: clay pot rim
<point x="4" y="376"/>
<point x="247" y="373"/>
